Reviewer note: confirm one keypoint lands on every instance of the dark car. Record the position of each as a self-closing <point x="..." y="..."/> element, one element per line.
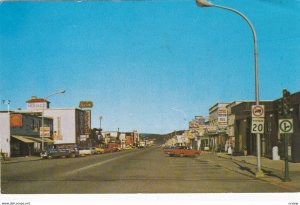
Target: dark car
<point x="59" y="151"/>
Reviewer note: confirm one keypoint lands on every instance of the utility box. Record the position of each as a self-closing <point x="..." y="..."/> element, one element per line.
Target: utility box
<point x="275" y="155"/>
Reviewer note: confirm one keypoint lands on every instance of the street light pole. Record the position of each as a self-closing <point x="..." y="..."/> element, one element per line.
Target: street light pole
<point x="204" y="3"/>
<point x="43" y="109"/>
<point x="100" y="119"/>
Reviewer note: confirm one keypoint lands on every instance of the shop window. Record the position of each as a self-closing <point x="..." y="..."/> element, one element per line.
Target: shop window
<point x="32" y="124"/>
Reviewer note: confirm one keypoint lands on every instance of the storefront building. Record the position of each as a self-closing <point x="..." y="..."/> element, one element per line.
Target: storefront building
<point x="219" y="121"/>
<point x="70" y="125"/>
<point x="20" y="133"/>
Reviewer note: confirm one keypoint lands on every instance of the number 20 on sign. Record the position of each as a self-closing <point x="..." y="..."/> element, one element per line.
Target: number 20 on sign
<point x="257" y="126"/>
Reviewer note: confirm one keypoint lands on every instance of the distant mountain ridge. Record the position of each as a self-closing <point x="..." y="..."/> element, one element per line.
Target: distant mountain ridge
<point x="160" y="138"/>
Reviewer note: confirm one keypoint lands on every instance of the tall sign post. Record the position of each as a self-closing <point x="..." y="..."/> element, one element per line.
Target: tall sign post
<point x="285" y="125"/>
<point x="257" y="127"/>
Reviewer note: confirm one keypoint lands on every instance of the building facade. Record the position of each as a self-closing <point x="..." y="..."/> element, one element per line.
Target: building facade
<point x="20" y="133"/>
<point x="218" y="124"/>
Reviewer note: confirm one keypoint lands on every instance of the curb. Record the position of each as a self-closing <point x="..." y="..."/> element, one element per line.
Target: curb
<point x="17" y="161"/>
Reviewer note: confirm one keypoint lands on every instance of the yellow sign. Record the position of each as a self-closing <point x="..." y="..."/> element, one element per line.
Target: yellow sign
<point x="85" y="104"/>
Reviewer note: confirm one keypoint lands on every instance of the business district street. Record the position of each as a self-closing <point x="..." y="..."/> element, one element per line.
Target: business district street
<point x="135" y="171"/>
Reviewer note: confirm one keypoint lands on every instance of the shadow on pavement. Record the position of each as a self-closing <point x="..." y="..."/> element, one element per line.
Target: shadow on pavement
<point x="266" y="172"/>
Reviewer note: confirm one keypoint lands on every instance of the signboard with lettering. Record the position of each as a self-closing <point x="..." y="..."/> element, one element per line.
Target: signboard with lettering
<point x="83" y="137"/>
<point x="57" y="134"/>
<point x="257" y="126"/>
<point x="87" y="121"/>
<point x="45" y="132"/>
<point x="85" y="104"/>
<point x="37" y="105"/>
<point x="16" y="120"/>
<point x="222" y="117"/>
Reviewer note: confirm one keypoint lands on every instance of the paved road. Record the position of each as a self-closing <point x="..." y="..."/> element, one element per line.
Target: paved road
<point x="137" y="171"/>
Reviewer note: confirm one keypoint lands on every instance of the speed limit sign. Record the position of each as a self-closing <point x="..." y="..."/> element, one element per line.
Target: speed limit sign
<point x="257" y="125"/>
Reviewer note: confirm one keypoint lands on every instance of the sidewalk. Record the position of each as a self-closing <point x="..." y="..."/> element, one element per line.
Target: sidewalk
<point x="19" y="159"/>
<point x="265" y="162"/>
<point x="273" y="169"/>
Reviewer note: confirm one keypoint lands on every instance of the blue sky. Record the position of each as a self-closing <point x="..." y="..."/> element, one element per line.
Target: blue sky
<point x="149" y="65"/>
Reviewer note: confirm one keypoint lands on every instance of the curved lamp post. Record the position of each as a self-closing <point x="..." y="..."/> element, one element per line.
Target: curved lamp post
<point x="45" y="99"/>
<point x="204" y="3"/>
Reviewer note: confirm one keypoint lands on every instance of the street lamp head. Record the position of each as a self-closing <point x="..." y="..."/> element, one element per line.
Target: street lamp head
<point x="62" y="91"/>
<point x="203" y="3"/>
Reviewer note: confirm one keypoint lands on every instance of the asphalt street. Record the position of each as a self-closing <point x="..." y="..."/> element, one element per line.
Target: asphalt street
<point x="135" y="171"/>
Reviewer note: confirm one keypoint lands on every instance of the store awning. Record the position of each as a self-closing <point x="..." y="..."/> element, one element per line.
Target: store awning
<point x="23" y="139"/>
<point x="27" y="139"/>
<point x="39" y="139"/>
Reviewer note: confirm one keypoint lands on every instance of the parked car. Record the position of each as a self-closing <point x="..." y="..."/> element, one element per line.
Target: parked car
<point x="85" y="151"/>
<point x="99" y="150"/>
<point x="168" y="149"/>
<point x="111" y="149"/>
<point x="128" y="148"/>
<point x="183" y="152"/>
<point x="59" y="151"/>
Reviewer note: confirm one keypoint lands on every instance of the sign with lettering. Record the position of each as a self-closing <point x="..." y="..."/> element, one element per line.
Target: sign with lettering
<point x="222" y="117"/>
<point x="87" y="121"/>
<point x="85" y="104"/>
<point x="45" y="132"/>
<point x="16" y="120"/>
<point x="257" y="126"/>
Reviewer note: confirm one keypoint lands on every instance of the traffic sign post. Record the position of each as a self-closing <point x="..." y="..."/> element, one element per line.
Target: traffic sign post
<point x="286" y="160"/>
<point x="257" y="127"/>
<point x="286" y="128"/>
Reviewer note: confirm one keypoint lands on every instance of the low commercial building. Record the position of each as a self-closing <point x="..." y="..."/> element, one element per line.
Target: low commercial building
<point x="231" y="125"/>
<point x="244" y="139"/>
<point x="20" y="133"/>
<point x="70" y="125"/>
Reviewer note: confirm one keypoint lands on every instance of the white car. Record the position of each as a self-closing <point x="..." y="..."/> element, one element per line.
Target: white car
<point x="85" y="151"/>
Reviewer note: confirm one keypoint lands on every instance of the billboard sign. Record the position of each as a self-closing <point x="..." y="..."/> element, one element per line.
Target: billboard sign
<point x="16" y="120"/>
